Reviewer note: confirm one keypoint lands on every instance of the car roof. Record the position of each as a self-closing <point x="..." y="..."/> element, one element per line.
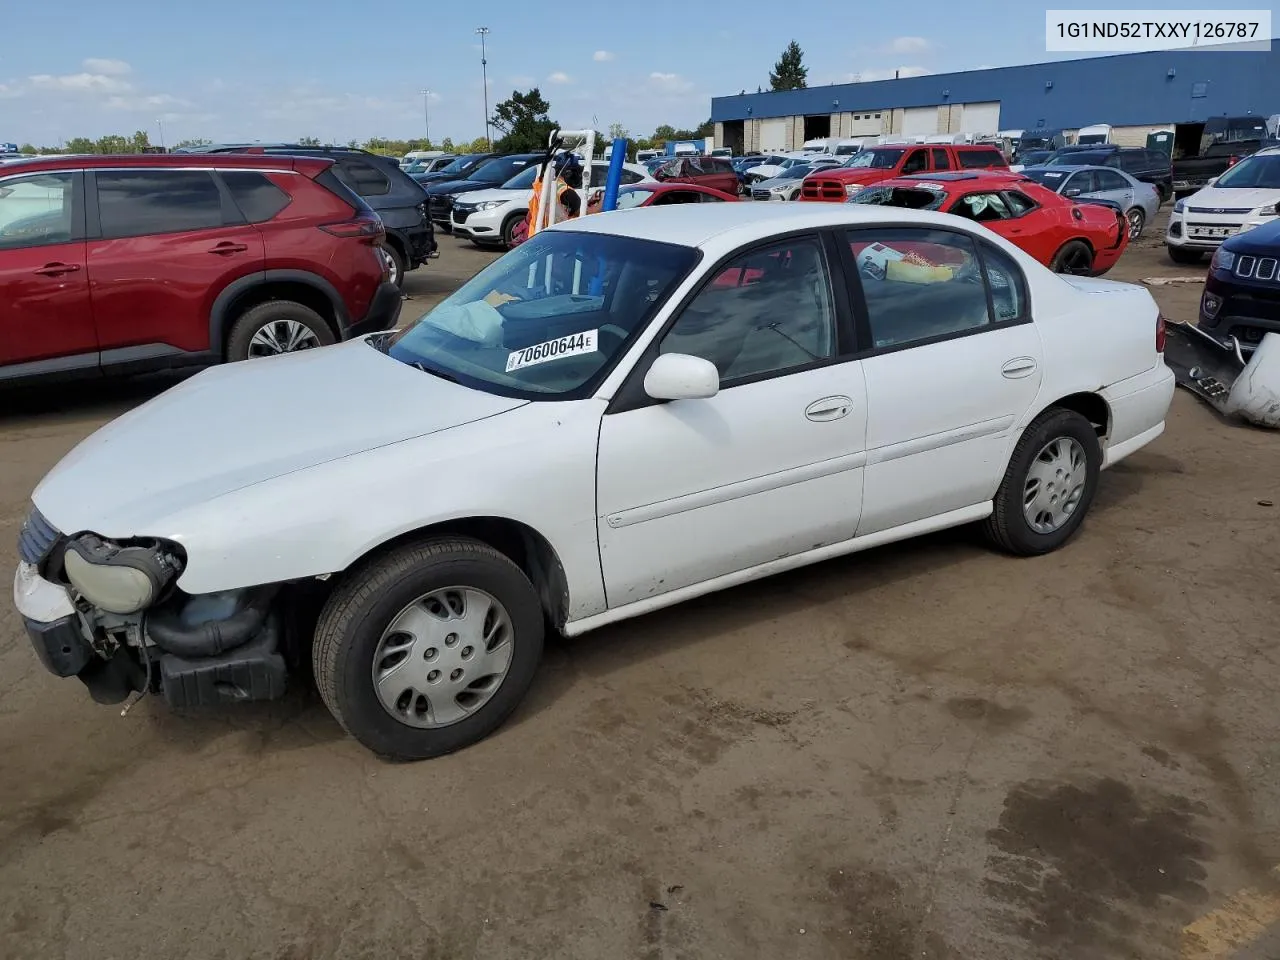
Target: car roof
<point x="949" y="176"/>
<point x="188" y="161"/>
<point x="696" y="225"/>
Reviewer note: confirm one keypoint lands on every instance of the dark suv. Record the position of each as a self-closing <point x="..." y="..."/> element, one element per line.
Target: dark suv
<point x="491" y="173"/>
<point x="120" y="264"/>
<point x="1149" y="166"/>
<point x="394" y="195"/>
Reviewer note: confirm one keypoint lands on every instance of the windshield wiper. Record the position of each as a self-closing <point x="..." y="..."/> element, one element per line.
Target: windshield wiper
<point x="434" y="372"/>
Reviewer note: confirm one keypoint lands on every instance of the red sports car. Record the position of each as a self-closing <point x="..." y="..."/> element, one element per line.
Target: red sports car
<point x="648" y="194"/>
<point x="1069" y="236"/>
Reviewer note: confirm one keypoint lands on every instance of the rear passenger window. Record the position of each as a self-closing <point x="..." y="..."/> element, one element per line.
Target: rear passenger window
<point x="940" y="160"/>
<point x="133" y="203"/>
<point x="364" y="178"/>
<point x="925" y="285"/>
<point x="974" y="159"/>
<point x="257" y="197"/>
<point x="1019" y="203"/>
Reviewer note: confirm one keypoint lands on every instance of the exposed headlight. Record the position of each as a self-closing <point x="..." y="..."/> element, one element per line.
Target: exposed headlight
<point x="489" y="204"/>
<point x="1222" y="260"/>
<point x="1179" y="206"/>
<point x="119" y="579"/>
<point x="851" y="188"/>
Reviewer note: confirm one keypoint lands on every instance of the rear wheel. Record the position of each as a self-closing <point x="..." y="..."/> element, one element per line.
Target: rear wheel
<point x="276" y="327"/>
<point x="396" y="259"/>
<point x="509" y="230"/>
<point x="1181" y="255"/>
<point x="1074" y="257"/>
<point x="428" y="648"/>
<point x="1137" y="220"/>
<point x="1048" y="486"/>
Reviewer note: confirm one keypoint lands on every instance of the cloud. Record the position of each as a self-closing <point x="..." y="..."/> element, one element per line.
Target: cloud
<point x="559" y="77"/>
<point x="908" y="45"/>
<point x="149" y="102"/>
<point x="80" y="83"/>
<point x="602" y="56"/>
<point x="867" y="76"/>
<point x="670" y="82"/>
<point x="521" y="80"/>
<point x="110" y="68"/>
<point x="9" y="91"/>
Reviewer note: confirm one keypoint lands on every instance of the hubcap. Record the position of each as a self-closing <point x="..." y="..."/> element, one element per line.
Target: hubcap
<point x="443" y="657"/>
<point x="282" y="336"/>
<point x="1055" y="484"/>
<point x="1135" y="224"/>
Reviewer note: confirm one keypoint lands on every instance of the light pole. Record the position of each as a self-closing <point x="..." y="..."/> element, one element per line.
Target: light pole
<point x="160" y="124"/>
<point x="426" y="115"/>
<point x="484" y="76"/>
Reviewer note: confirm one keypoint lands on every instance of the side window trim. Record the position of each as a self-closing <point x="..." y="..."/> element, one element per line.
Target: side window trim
<point x="631" y="395"/>
<point x="858" y="299"/>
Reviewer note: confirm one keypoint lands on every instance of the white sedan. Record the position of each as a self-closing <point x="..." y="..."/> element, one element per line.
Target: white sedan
<point x="628" y="410"/>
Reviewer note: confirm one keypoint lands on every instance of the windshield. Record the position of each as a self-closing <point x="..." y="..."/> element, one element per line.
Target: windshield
<point x="632" y="198"/>
<point x="524" y="179"/>
<point x="1033" y="157"/>
<point x="1035" y="143"/>
<point x="1254" y="171"/>
<point x="1048" y="178"/>
<point x="876" y="158"/>
<point x="913" y="198"/>
<point x="460" y="164"/>
<point x="548" y="319"/>
<point x="1092" y="138"/>
<point x="501" y="170"/>
<point x="1079" y="158"/>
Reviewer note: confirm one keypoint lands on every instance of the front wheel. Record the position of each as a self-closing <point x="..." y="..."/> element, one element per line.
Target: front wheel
<point x="428" y="648"/>
<point x="1074" y="258"/>
<point x="1048" y="486"/>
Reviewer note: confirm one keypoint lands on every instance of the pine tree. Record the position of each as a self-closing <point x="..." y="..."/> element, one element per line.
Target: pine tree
<point x="790" y="73"/>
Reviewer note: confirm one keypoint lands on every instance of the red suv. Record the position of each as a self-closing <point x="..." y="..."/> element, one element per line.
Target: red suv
<point x="714" y="172"/>
<point x="119" y="264"/>
<point x="835" y="185"/>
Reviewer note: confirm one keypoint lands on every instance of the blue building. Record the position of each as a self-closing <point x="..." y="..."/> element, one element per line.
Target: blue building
<point x="1135" y="93"/>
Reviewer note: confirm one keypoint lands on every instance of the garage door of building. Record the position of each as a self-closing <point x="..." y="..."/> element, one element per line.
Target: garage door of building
<point x="773" y="135"/>
<point x="919" y="121"/>
<point x="981" y="118"/>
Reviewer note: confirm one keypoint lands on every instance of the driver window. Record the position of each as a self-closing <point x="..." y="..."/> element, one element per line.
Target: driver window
<point x="919" y="285"/>
<point x="982" y="207"/>
<point x="917" y="161"/>
<point x="765" y="312"/>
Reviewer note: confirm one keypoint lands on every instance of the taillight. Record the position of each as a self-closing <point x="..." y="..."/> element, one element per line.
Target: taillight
<point x="1232" y="161"/>
<point x="365" y="228"/>
<point x="1160" y="332"/>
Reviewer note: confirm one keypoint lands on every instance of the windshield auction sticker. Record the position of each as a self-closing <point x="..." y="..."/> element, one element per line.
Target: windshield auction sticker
<point x="1113" y="31"/>
<point x="570" y="346"/>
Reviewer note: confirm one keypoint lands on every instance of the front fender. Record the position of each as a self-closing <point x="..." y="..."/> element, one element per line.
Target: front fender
<point x="535" y="465"/>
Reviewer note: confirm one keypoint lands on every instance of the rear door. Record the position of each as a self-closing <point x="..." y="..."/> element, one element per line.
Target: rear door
<point x="163" y="243"/>
<point x="44" y="309"/>
<point x="1109" y="185"/>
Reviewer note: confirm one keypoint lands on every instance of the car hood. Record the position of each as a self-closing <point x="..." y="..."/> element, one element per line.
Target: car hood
<point x="764" y="170"/>
<point x="240" y="424"/>
<point x="1237" y="198"/>
<point x="1098" y="285"/>
<point x="1263" y="241"/>
<point x="483" y="196"/>
<point x="456" y="186"/>
<point x="778" y="182"/>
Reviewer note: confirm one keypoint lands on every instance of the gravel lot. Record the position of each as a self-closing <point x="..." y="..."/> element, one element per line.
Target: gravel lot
<point x="927" y="750"/>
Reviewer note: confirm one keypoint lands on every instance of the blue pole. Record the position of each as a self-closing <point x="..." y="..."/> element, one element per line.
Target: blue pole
<point x="616" y="158"/>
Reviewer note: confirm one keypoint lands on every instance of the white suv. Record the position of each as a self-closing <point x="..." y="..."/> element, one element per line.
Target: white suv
<point x="1246" y="196"/>
<point x="487" y="217"/>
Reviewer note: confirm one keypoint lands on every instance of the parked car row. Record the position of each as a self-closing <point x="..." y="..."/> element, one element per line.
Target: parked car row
<point x="1245" y="197"/>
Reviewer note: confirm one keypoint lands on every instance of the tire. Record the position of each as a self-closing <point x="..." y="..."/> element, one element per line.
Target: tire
<point x="508" y="231"/>
<point x="397" y="265"/>
<point x="1073" y="257"/>
<point x="291" y="325"/>
<point x="1137" y="220"/>
<point x="1008" y="526"/>
<point x="365" y="604"/>
<point x="1180" y="255"/>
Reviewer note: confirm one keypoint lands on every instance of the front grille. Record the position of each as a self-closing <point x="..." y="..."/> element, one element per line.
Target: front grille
<point x="829" y="190"/>
<point x="460" y="214"/>
<point x="1224" y="210"/>
<point x="36" y="538"/>
<point x="759" y="194"/>
<point x="1259" y="268"/>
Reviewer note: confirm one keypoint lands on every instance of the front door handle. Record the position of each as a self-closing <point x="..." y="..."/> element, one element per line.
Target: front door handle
<point x="226" y="247"/>
<point x="828" y="408"/>
<point x="1019" y="368"/>
<point x="56" y="269"/>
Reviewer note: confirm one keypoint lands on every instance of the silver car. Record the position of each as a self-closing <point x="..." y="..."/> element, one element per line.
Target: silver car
<point x="1138" y="200"/>
<point x="786" y="185"/>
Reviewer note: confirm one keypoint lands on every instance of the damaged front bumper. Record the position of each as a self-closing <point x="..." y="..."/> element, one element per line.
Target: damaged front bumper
<point x="192" y="650"/>
<point x="1227" y="375"/>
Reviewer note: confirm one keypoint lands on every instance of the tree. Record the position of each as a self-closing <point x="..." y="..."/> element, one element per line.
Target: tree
<point x="478" y="145"/>
<point x="617" y="130"/>
<point x="26" y="148"/>
<point x="81" y="145"/>
<point x="524" y="122"/>
<point x="139" y="142"/>
<point x="663" y="133"/>
<point x="790" y="73"/>
<point x="447" y="145"/>
<point x="111" y="143"/>
<point x="309" y="141"/>
<point x="197" y="142"/>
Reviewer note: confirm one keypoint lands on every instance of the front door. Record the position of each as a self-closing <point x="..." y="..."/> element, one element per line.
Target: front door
<point x="771" y="466"/>
<point x="44" y="307"/>
<point x="169" y="242"/>
<point x="955" y="366"/>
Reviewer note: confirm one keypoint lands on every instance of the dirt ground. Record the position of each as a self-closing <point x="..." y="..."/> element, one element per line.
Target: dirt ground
<point x="927" y="750"/>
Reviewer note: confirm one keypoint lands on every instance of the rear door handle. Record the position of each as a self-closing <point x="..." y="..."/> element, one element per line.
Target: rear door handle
<point x="828" y="408"/>
<point x="226" y="247"/>
<point x="1019" y="368"/>
<point x="56" y="269"/>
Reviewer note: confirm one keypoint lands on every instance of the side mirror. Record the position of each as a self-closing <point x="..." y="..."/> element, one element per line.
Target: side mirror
<point x="1072" y="192"/>
<point x="679" y="376"/>
<point x="1211" y="181"/>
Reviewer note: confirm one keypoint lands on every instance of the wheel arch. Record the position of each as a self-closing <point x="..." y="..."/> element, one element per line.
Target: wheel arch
<point x="520" y="543"/>
<point x="1092" y="406"/>
<point x="300" y="286"/>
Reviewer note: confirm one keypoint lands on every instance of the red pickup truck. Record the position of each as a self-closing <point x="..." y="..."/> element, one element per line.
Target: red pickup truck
<point x="836" y="185"/>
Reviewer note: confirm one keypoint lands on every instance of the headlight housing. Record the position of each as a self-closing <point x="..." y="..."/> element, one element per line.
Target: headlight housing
<point x="1179" y="206"/>
<point x="120" y="578"/>
<point x="489" y="204"/>
<point x="851" y="188"/>
<point x="1222" y="260"/>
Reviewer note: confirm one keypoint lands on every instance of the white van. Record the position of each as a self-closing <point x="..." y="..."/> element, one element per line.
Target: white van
<point x="413" y="156"/>
<point x="1098" y="133"/>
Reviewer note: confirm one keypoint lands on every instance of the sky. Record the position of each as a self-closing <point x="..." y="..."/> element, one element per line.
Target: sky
<point x="238" y="70"/>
